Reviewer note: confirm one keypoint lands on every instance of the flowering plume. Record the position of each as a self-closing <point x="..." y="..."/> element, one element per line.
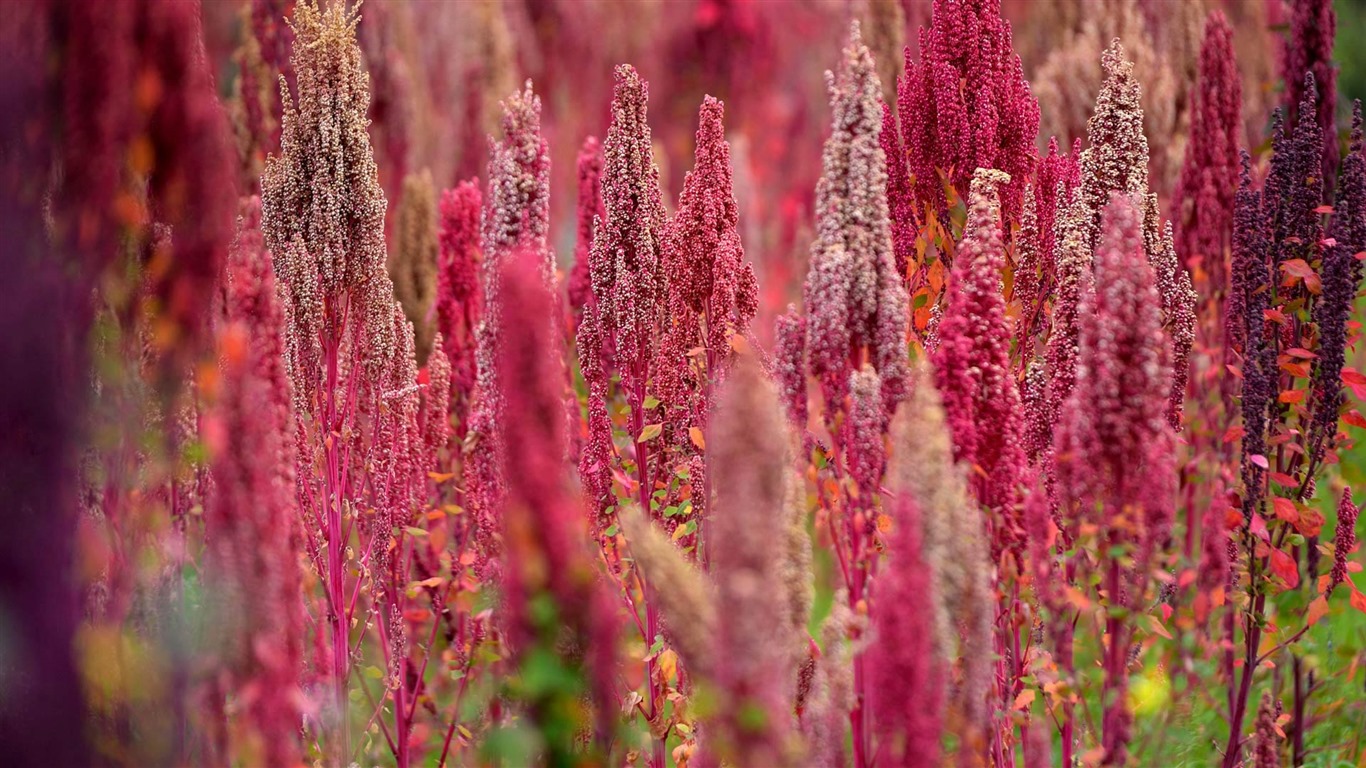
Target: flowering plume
<point x="626" y="312"/>
<point x="789" y="360"/>
<point x="412" y="265"/>
<point x="953" y="547"/>
<point x="515" y="219"/>
<point x="1344" y="539"/>
<point x="1074" y="282"/>
<point x="748" y="446"/>
<point x="712" y="293"/>
<point x="588" y="211"/>
<point x="251" y="520"/>
<point x="908" y="677"/>
<point x="1266" y="742"/>
<point x="547" y="551"/>
<point x="1203" y="199"/>
<point x="972" y="362"/>
<point x="953" y="129"/>
<point x="323" y="214"/>
<point x="686" y="596"/>
<point x="1115" y="448"/>
<point x="1178" y="303"/>
<point x="458" y="291"/>
<point x="1036" y="271"/>
<point x="1309" y="50"/>
<point x="1245" y="313"/>
<point x="901" y="210"/>
<point x="1116" y="159"/>
<point x="856" y="302"/>
<point x="1340" y="280"/>
<point x="625" y="260"/>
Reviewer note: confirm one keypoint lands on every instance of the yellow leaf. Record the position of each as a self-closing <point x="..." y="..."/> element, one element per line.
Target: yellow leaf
<point x="440" y="477"/>
<point x="668" y="663"/>
<point x="650" y="432"/>
<point x="697" y="438"/>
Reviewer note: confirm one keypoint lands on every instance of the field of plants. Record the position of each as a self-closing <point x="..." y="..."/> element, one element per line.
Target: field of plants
<point x="682" y="383"/>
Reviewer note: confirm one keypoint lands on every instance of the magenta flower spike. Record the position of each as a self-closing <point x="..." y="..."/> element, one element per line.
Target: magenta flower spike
<point x="1203" y="199"/>
<point x="951" y="130"/>
<point x="972" y="364"/>
<point x="908" y="676"/>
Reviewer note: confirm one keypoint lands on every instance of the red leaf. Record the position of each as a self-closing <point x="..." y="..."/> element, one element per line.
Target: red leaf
<point x="1285" y="510"/>
<point x="1283" y="565"/>
<point x="1234" y="433"/>
<point x="1300" y="268"/>
<point x="1259" y="460"/>
<point x="1282" y="479"/>
<point x="1355" y="419"/>
<point x="1324" y="209"/>
<point x="1352" y="376"/>
<point x="1292" y="396"/>
<point x="1301" y="353"/>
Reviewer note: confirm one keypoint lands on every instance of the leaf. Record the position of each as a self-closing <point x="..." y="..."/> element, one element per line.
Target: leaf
<point x="1283" y="480"/>
<point x="1352" y="376"/>
<point x="1299" y="268"/>
<point x="695" y="434"/>
<point x="1234" y="433"/>
<point x="1301" y="353"/>
<point x="1025" y="698"/>
<point x="1259" y="460"/>
<point x="651" y="402"/>
<point x="1285" y="510"/>
<point x="1355" y="419"/>
<point x="1283" y="565"/>
<point x="650" y="432"/>
<point x="1292" y="396"/>
<point x="415" y="531"/>
<point x="1317" y="610"/>
<point x="1156" y="625"/>
<point x="667" y="663"/>
<point x="1358" y="601"/>
<point x="440" y="477"/>
<point x="1310" y="522"/>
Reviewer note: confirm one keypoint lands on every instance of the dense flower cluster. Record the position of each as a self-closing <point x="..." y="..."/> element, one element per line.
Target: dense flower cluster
<point x="1203" y="199"/>
<point x="966" y="105"/>
<point x="856" y="303"/>
<point x="972" y="361"/>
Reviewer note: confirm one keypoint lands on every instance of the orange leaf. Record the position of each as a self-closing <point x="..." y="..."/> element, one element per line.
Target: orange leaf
<point x="1310" y="522"/>
<point x="1317" y="610"/>
<point x="697" y="438"/>
<point x="1025" y="698"/>
<point x="1358" y="601"/>
<point x="1292" y="396"/>
<point x="1283" y="565"/>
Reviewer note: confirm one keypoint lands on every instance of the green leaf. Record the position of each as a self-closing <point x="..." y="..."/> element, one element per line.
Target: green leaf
<point x="651" y="402"/>
<point x="650" y="432"/>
